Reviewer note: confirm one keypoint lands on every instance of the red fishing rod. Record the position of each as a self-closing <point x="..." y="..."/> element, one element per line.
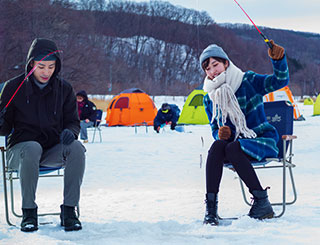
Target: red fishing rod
<point x="32" y="70"/>
<point x="267" y="41"/>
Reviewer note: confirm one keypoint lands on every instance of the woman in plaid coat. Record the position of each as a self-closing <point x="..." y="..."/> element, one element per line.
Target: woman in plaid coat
<point x="234" y="105"/>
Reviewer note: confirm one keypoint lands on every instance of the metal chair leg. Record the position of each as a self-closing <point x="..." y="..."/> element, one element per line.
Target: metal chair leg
<point x="94" y="134"/>
<point x="5" y="190"/>
<point x="99" y="129"/>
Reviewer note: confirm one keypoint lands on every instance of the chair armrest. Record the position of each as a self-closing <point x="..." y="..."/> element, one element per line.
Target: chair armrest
<point x="288" y="137"/>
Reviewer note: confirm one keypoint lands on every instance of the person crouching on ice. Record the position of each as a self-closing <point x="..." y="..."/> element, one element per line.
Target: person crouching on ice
<point x="167" y="114"/>
<point x="234" y="106"/>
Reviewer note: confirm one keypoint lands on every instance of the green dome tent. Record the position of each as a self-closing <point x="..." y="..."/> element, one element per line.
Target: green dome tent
<point x="316" y="107"/>
<point x="193" y="111"/>
<point x="308" y="101"/>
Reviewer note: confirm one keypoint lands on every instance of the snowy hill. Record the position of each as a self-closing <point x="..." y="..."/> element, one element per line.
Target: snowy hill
<point x="148" y="188"/>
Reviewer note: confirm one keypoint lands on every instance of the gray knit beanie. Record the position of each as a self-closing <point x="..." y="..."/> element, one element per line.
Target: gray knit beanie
<point x="212" y="50"/>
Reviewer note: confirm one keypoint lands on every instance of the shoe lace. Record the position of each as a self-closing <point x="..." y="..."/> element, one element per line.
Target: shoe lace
<point x="252" y="201"/>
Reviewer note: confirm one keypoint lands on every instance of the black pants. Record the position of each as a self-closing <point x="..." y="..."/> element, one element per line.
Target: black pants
<point x="222" y="151"/>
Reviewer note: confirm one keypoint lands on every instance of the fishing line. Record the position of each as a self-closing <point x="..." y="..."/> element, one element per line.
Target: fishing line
<point x="198" y="31"/>
<point x="267" y="41"/>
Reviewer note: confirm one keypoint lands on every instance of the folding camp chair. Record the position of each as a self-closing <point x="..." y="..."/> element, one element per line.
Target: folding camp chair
<point x="136" y="125"/>
<point x="280" y="115"/>
<point x="9" y="175"/>
<point x="97" y="125"/>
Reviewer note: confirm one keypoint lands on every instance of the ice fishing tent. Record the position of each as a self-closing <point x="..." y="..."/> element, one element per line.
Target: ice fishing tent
<point x="131" y="107"/>
<point x="193" y="111"/>
<point x="284" y="94"/>
<point x="316" y="106"/>
<point x="308" y="101"/>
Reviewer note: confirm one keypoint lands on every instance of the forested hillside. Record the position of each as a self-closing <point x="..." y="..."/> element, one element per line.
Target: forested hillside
<point x="113" y="45"/>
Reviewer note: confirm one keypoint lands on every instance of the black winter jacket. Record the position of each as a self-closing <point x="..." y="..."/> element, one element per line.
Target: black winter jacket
<point x="39" y="115"/>
<point x="89" y="109"/>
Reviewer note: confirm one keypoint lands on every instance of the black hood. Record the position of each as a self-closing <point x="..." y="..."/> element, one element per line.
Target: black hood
<point x="83" y="94"/>
<point x="41" y="46"/>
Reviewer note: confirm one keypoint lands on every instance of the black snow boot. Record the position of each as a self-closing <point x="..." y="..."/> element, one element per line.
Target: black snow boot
<point x="69" y="219"/>
<point x="29" y="219"/>
<point x="211" y="216"/>
<point x="261" y="207"/>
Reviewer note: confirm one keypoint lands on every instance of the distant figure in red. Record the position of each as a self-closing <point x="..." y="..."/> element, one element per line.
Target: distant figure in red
<point x="87" y="114"/>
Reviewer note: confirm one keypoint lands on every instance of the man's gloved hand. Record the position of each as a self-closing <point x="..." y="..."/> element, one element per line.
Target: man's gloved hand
<point x="224" y="133"/>
<point x="156" y="128"/>
<point x="277" y="52"/>
<point x="67" y="137"/>
<point x="173" y="126"/>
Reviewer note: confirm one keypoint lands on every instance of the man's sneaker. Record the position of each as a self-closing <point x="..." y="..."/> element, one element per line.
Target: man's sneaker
<point x="69" y="219"/>
<point x="29" y="219"/>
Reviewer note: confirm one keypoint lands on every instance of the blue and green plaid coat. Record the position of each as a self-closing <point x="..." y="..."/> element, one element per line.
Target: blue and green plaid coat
<point x="250" y="97"/>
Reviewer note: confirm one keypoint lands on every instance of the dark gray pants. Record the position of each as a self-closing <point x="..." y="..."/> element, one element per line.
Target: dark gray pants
<point x="26" y="157"/>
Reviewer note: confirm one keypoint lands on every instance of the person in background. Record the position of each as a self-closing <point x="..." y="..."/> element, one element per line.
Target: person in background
<point x="234" y="105"/>
<point x="42" y="125"/>
<point x="167" y="114"/>
<point x="87" y="114"/>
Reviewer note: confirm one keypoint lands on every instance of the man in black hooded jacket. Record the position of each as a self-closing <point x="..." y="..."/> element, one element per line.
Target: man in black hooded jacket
<point x="42" y="124"/>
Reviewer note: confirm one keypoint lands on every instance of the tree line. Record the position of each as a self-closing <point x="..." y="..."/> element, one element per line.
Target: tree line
<point x="113" y="45"/>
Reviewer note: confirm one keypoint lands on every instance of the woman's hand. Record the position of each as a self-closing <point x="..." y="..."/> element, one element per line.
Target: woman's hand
<point x="277" y="52"/>
<point x="224" y="133"/>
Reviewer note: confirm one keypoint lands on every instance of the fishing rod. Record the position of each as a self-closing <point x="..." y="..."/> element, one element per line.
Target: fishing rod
<point x="267" y="41"/>
<point x="3" y="111"/>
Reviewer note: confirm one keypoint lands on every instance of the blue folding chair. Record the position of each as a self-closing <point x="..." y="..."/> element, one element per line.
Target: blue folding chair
<point x="280" y="115"/>
<point x="9" y="175"/>
<point x="97" y="125"/>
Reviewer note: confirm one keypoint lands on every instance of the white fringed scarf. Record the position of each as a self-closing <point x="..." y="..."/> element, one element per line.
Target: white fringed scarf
<point x="221" y="91"/>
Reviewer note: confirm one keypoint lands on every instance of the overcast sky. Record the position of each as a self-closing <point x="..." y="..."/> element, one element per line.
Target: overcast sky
<point x="297" y="15"/>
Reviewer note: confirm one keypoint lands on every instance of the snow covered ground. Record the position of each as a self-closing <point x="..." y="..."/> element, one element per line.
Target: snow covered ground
<point x="148" y="188"/>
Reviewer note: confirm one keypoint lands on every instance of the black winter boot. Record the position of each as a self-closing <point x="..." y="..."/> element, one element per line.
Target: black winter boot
<point x="211" y="216"/>
<point x="261" y="207"/>
<point x="29" y="219"/>
<point x="69" y="219"/>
